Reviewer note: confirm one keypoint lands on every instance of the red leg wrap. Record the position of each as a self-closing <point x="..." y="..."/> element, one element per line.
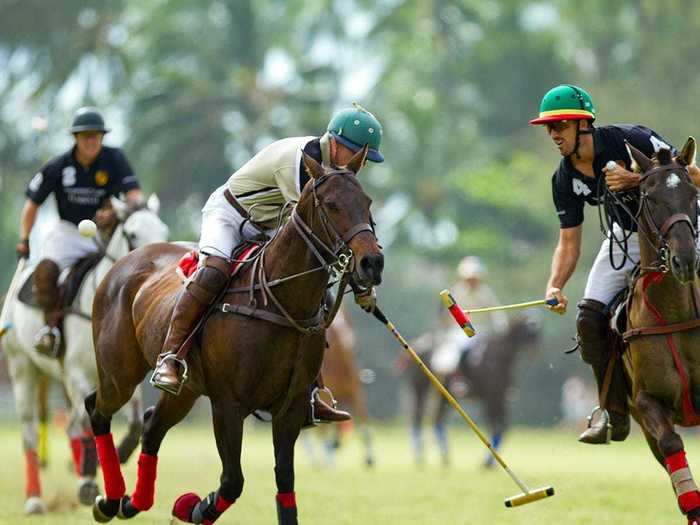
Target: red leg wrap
<point x="287" y="499"/>
<point x="690" y="500"/>
<point x="145" y="489"/>
<point x="33" y="486"/>
<point x="221" y="505"/>
<point x="76" y="451"/>
<point x="111" y="471"/>
<point x="182" y="509"/>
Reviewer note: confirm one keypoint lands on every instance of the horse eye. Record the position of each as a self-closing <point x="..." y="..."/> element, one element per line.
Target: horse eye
<point x="332" y="206"/>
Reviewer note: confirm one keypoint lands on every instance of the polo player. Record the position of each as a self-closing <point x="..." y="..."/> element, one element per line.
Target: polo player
<point x="568" y="113"/>
<point x="249" y="204"/>
<point x="82" y="179"/>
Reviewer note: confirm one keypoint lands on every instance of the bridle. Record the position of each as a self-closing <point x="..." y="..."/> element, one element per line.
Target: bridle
<point x="661" y="245"/>
<point x="332" y="252"/>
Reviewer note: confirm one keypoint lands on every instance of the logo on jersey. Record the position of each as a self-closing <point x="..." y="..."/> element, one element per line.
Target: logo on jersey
<point x="581" y="189"/>
<point x="101" y="177"/>
<point x="36" y="181"/>
<point x="68" y="176"/>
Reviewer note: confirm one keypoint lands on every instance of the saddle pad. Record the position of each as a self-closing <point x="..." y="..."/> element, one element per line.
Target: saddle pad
<point x="188" y="263"/>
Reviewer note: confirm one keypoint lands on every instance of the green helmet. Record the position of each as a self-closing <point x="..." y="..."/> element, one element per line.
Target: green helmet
<point x="565" y="102"/>
<point x="354" y="127"/>
<point x="88" y="119"/>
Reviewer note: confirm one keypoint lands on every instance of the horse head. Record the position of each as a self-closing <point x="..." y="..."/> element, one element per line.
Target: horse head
<point x="668" y="208"/>
<point x="141" y="225"/>
<point x="338" y="212"/>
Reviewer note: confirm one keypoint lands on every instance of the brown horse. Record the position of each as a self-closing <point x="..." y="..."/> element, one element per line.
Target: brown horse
<point x="342" y="375"/>
<point x="487" y="379"/>
<point x="257" y="350"/>
<point x="664" y="317"/>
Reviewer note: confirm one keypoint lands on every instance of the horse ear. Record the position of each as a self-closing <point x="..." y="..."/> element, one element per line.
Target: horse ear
<point x="640" y="162"/>
<point x="687" y="154"/>
<point x="153" y="203"/>
<point x="314" y="169"/>
<point x="120" y="207"/>
<point x="358" y="159"/>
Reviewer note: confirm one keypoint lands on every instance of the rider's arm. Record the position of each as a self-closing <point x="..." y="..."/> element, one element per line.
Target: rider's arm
<point x="134" y="197"/>
<point x="27" y="218"/>
<point x="564" y="261"/>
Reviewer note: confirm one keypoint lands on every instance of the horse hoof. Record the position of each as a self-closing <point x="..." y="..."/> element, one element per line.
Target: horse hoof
<point x="103" y="510"/>
<point x="87" y="491"/>
<point x="184" y="505"/>
<point x="126" y="509"/>
<point x="369" y="462"/>
<point x="34" y="505"/>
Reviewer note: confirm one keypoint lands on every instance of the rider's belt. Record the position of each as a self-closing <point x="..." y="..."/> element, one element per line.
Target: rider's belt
<point x="261" y="226"/>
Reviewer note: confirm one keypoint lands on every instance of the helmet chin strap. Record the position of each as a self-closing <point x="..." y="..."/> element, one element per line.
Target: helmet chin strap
<point x="580" y="132"/>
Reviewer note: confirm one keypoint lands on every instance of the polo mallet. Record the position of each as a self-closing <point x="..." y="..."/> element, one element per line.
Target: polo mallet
<point x="528" y="495"/>
<point x="462" y="316"/>
<point x="5" y="326"/>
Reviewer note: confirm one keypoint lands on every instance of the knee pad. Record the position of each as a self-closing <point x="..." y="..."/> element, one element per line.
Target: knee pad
<point x="592" y="329"/>
<point x="212" y="275"/>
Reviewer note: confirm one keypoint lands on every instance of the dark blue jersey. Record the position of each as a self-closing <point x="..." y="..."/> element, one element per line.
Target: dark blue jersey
<point x="571" y="189"/>
<point x="81" y="192"/>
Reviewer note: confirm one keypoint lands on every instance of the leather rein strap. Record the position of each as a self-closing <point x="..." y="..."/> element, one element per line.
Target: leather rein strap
<point x="661" y="330"/>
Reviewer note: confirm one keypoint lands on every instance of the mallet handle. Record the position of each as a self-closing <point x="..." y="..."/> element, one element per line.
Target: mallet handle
<point x="549" y="302"/>
<point x="446" y="394"/>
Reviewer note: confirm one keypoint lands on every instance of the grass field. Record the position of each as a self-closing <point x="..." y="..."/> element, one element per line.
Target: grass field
<point x="619" y="484"/>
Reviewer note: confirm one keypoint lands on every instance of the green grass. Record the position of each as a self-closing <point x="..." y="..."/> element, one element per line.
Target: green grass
<point x="619" y="484"/>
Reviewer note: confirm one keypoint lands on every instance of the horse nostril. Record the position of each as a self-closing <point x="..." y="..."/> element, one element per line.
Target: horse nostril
<point x="373" y="265"/>
<point x="676" y="262"/>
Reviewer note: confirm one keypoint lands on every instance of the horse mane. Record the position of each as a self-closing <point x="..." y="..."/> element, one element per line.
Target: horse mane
<point x="663" y="157"/>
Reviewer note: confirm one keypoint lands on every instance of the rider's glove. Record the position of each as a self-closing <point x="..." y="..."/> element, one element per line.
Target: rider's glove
<point x="366" y="298"/>
<point x="22" y="249"/>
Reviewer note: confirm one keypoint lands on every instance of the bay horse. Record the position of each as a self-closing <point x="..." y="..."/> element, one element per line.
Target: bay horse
<point x="488" y="379"/>
<point x="341" y="374"/>
<point x="75" y="370"/>
<point x="662" y="334"/>
<point x="257" y="350"/>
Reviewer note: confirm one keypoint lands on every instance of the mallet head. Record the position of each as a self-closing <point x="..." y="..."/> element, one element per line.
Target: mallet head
<point x="529" y="497"/>
<point x="462" y="319"/>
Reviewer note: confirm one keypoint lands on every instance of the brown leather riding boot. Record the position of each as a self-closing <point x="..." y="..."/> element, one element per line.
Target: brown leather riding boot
<point x="48" y="339"/>
<point x="596" y="349"/>
<point x="321" y="412"/>
<point x="199" y="292"/>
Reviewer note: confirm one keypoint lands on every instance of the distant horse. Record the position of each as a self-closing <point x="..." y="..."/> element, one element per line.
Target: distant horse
<point x="76" y="369"/>
<point x="487" y="378"/>
<point x="663" y="329"/>
<point x="259" y="349"/>
<point x="342" y="375"/>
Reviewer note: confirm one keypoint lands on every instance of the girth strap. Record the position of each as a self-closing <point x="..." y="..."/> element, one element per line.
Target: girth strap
<point x="661" y="330"/>
<point x="249" y="311"/>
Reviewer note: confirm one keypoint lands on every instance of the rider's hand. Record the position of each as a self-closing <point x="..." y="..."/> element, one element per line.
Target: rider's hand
<point x="560" y="308"/>
<point x="619" y="179"/>
<point x="22" y="249"/>
<point x="106" y="218"/>
<point x="367" y="299"/>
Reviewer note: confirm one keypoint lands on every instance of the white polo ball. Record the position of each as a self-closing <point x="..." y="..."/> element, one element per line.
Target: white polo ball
<point x="611" y="165"/>
<point x="87" y="228"/>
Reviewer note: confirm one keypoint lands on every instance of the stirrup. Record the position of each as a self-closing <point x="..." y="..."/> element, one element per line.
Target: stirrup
<point x="175" y="390"/>
<point x="49" y="330"/>
<point x="314" y="393"/>
<point x="604" y="419"/>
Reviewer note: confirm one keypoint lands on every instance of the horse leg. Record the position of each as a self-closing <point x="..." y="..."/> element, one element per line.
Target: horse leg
<point x="285" y="431"/>
<point x="24" y="377"/>
<point x="168" y="412"/>
<point x="496" y="416"/>
<point x="359" y="403"/>
<point x="420" y="397"/>
<point x="43" y="406"/>
<point x="135" y="426"/>
<point x="657" y="421"/>
<point x="440" y="430"/>
<point x="228" y="419"/>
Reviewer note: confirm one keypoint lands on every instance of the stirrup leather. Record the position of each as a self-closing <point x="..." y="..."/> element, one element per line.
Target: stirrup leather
<point x="314" y="393"/>
<point x="49" y="330"/>
<point x="154" y="380"/>
<point x="604" y="419"/>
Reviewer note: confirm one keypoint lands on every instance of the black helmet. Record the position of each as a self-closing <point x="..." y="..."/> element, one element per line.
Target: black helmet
<point x="88" y="119"/>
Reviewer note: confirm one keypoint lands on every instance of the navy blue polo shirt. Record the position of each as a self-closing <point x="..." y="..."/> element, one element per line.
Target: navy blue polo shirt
<point x="571" y="189"/>
<point x="81" y="192"/>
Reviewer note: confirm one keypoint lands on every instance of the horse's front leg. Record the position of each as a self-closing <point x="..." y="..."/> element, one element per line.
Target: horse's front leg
<point x="656" y="420"/>
<point x="228" y="418"/>
<point x="285" y="431"/>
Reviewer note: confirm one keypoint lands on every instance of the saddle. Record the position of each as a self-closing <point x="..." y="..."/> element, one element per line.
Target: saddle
<point x="69" y="283"/>
<point x="241" y="255"/>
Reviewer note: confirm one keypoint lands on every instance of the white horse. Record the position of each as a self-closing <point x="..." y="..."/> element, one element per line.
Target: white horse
<point x="77" y="370"/>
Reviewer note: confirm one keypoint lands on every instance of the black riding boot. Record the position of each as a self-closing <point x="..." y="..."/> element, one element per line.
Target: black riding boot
<point x="198" y="293"/>
<point x="48" y="340"/>
<point x="595" y="345"/>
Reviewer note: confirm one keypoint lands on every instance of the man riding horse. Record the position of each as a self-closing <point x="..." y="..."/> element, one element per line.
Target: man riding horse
<point x="82" y="180"/>
<point x="568" y="113"/>
<point x="248" y="205"/>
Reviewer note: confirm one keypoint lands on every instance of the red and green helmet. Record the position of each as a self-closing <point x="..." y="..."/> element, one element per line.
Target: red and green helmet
<point x="565" y="102"/>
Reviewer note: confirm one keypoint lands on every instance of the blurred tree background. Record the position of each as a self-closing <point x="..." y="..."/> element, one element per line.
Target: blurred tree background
<point x="193" y="88"/>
